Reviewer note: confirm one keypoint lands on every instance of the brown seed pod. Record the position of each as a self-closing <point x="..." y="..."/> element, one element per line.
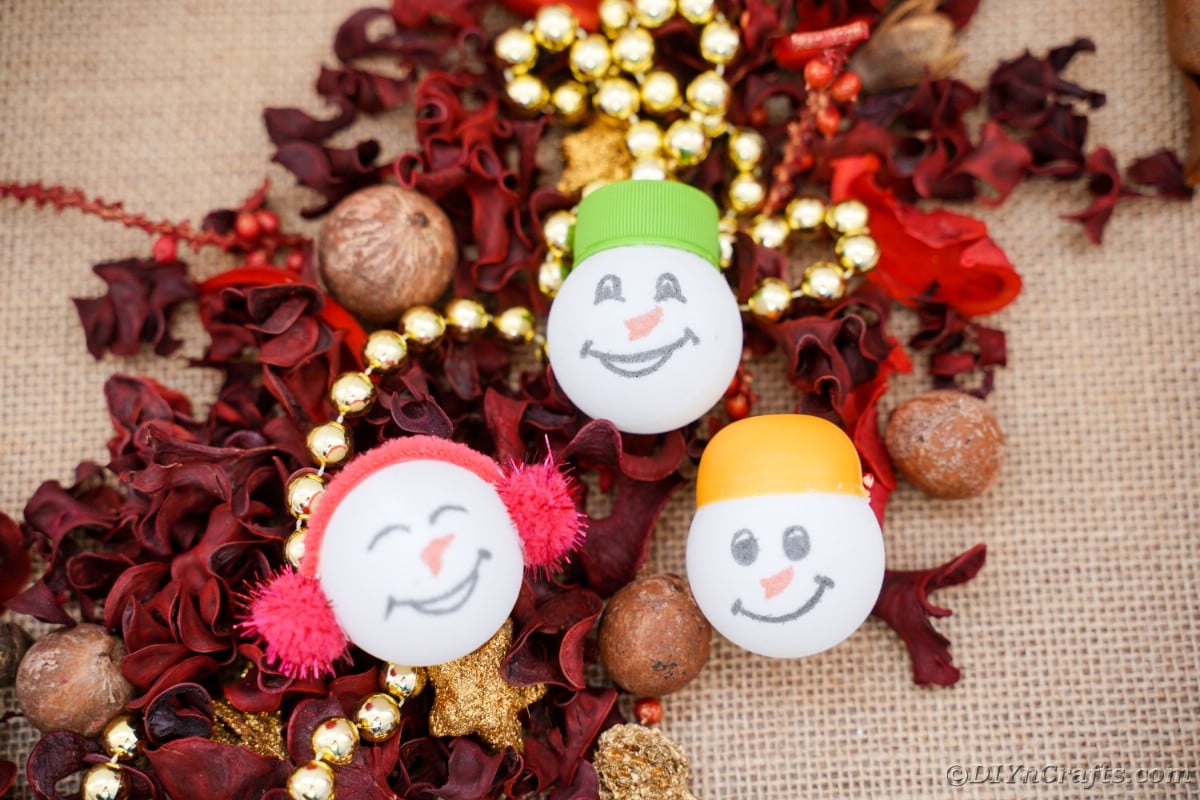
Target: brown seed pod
<point x="653" y="638"/>
<point x="71" y="680"/>
<point x="913" y="37"/>
<point x="1183" y="41"/>
<point x="14" y="641"/>
<point x="384" y="249"/>
<point x="946" y="443"/>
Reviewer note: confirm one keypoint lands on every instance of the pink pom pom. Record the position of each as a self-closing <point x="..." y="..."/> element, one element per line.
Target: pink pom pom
<point x="539" y="501"/>
<point x="292" y="617"/>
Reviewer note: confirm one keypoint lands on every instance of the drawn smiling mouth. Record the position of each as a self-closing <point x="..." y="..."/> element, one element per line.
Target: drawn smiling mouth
<point x="447" y="602"/>
<point x="822" y="582"/>
<point x="650" y="359"/>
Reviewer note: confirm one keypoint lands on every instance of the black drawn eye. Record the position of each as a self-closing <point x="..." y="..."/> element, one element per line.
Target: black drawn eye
<point x="384" y="531"/>
<point x="667" y="288"/>
<point x="744" y="547"/>
<point x="795" y="543"/>
<point x="609" y="288"/>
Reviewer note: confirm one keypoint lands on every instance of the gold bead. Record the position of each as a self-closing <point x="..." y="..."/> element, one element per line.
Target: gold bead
<point x="713" y="125"/>
<point x="616" y="98"/>
<point x="329" y="443"/>
<point x="312" y="781"/>
<point x="352" y="393"/>
<point x="746" y="194"/>
<point x="848" y="216"/>
<point x="708" y="93"/>
<point x="652" y="13"/>
<point x="104" y="782"/>
<point x="771" y="300"/>
<point x="385" y="350"/>
<point x="377" y="717"/>
<point x="423" y="327"/>
<point x="746" y="149"/>
<point x="649" y="168"/>
<point x="660" y="92"/>
<point x="303" y="492"/>
<point x="517" y="50"/>
<point x="857" y="252"/>
<point x="293" y="548"/>
<point x="570" y="101"/>
<point x="551" y="275"/>
<point x="698" y="12"/>
<point x="726" y="241"/>
<point x="554" y="28"/>
<point x="335" y="741"/>
<point x="685" y="143"/>
<point x="644" y="138"/>
<point x="806" y="215"/>
<point x="515" y="326"/>
<point x="527" y="93"/>
<point x="557" y="228"/>
<point x="824" y="281"/>
<point x="633" y="50"/>
<point x="401" y="680"/>
<point x="590" y="58"/>
<point x="770" y="232"/>
<point x="728" y="224"/>
<point x="466" y="318"/>
<point x="120" y="738"/>
<point x="592" y="186"/>
<point x="614" y="16"/>
<point x="719" y="42"/>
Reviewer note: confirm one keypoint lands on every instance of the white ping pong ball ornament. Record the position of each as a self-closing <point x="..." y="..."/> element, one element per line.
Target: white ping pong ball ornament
<point x="644" y="331"/>
<point x="415" y="553"/>
<point x="784" y="555"/>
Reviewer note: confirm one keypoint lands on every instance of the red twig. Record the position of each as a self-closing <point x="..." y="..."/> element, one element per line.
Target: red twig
<point x="62" y="197"/>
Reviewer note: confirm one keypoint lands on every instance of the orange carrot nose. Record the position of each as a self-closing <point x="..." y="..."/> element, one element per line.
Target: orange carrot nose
<point x="777" y="582"/>
<point x="641" y="325"/>
<point x="432" y="554"/>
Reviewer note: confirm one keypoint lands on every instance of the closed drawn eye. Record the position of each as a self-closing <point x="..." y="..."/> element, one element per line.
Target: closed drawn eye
<point x="744" y="547"/>
<point x="667" y="288"/>
<point x="795" y="542"/>
<point x="609" y="288"/>
<point x="384" y="531"/>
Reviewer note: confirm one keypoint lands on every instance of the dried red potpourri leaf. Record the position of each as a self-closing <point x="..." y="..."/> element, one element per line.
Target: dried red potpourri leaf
<point x="935" y="254"/>
<point x="1163" y="172"/>
<point x="8" y="772"/>
<point x="201" y="769"/>
<point x="141" y="297"/>
<point x="55" y="756"/>
<point x="14" y="559"/>
<point x="904" y="605"/>
<point x="1104" y="182"/>
<point x="958" y="346"/>
<point x="550" y="628"/>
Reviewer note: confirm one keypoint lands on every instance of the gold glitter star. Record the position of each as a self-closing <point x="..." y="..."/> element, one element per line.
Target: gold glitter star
<point x="472" y="697"/>
<point x="261" y="732"/>
<point x="594" y="153"/>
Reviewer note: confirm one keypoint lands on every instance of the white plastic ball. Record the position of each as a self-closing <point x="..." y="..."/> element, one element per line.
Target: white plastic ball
<point x="786" y="575"/>
<point x="421" y="562"/>
<point x="645" y="336"/>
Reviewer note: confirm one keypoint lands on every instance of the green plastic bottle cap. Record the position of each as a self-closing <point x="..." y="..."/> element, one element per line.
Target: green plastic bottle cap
<point x="663" y="213"/>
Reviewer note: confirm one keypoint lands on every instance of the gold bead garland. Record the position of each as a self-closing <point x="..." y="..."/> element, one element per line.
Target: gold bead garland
<point x="616" y="71"/>
<point x="108" y="781"/>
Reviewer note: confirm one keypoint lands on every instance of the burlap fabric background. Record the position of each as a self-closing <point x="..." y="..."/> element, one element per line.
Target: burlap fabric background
<point x="1079" y="639"/>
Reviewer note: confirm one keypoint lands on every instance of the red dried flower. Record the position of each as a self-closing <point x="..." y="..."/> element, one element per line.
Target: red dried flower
<point x="937" y="255"/>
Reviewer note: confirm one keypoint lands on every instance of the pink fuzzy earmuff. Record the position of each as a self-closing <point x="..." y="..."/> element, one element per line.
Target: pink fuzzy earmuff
<point x="305" y="618"/>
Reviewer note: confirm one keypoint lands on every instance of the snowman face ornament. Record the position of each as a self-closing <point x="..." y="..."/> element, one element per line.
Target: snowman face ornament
<point x="645" y="332"/>
<point x="421" y="561"/>
<point x="649" y="342"/>
<point x="784" y="555"/>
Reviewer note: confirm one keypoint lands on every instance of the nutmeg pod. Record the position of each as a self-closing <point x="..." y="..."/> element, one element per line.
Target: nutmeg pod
<point x="1183" y="42"/>
<point x="946" y="443"/>
<point x="653" y="638"/>
<point x="912" y="40"/>
<point x="385" y="249"/>
<point x="71" y="680"/>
